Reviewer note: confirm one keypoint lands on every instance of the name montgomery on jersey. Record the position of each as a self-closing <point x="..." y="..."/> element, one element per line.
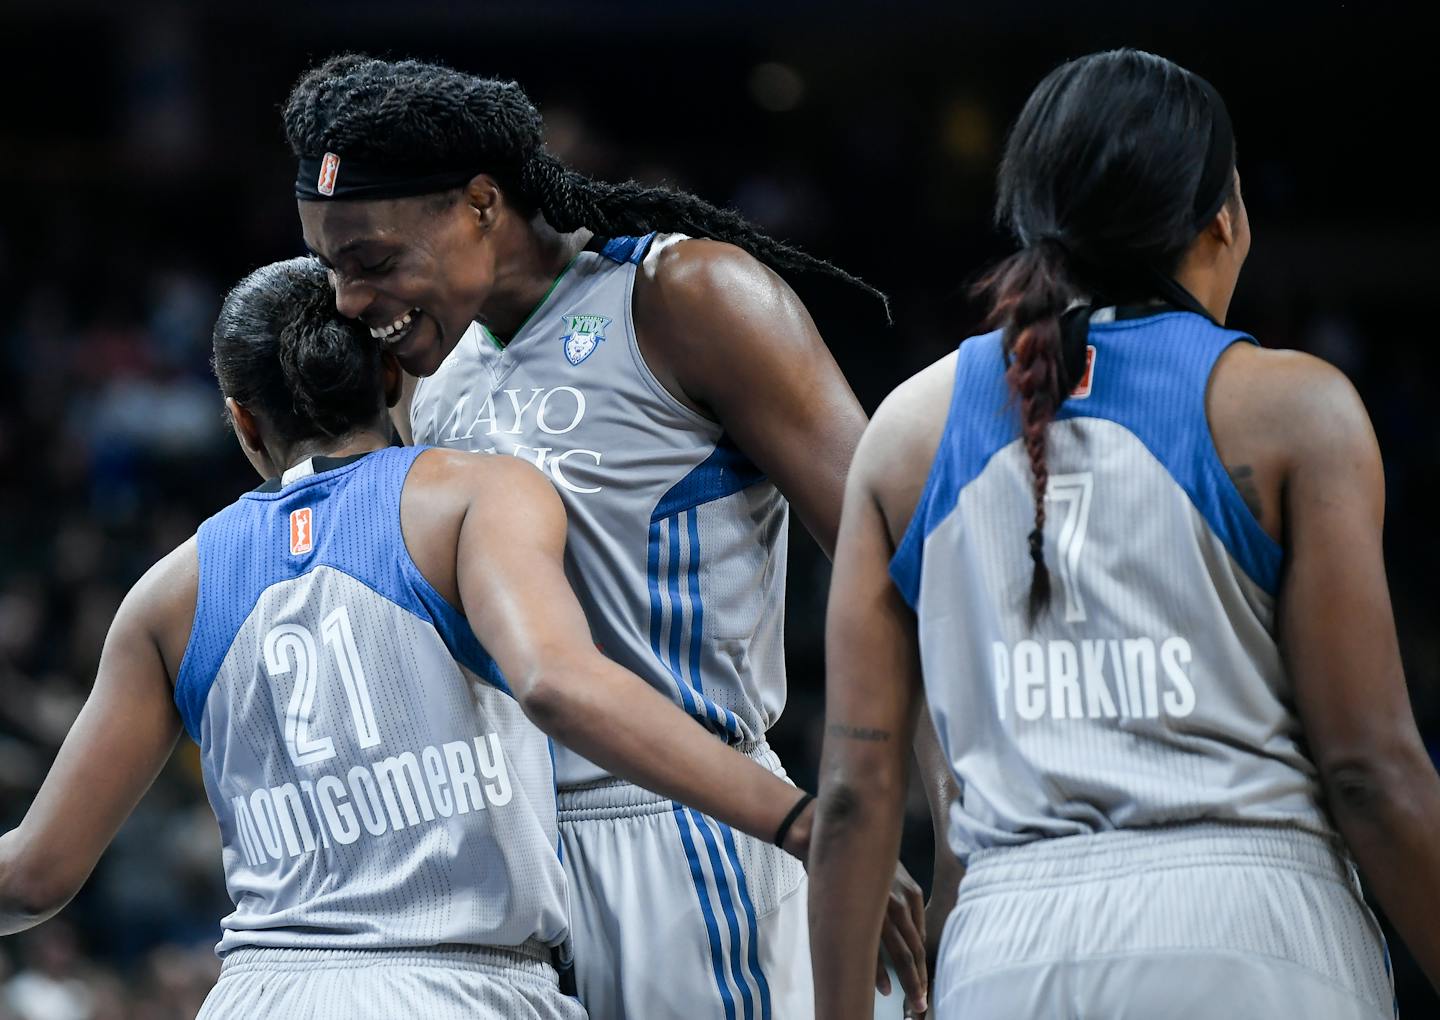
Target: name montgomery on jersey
<point x="381" y="798"/>
<point x="555" y="411"/>
<point x="1067" y="679"/>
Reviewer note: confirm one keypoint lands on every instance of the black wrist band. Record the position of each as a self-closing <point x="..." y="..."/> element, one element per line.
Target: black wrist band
<point x="784" y="829"/>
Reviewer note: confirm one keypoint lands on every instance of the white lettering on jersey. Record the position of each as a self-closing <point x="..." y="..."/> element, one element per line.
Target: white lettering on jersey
<point x="1034" y="679"/>
<point x="398" y="792"/>
<point x="556" y="411"/>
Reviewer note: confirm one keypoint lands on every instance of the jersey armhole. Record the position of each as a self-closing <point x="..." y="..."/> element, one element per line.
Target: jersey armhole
<point x="1258" y="554"/>
<point x="449" y="622"/>
<point x="659" y="243"/>
<point x="909" y="551"/>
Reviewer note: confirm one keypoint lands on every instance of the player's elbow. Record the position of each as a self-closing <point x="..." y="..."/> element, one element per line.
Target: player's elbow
<point x="845" y="805"/>
<point x="1375" y="785"/>
<point x="30" y="891"/>
<point x="548" y="697"/>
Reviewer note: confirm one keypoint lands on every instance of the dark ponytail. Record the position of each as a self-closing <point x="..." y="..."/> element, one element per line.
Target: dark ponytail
<point x="1030" y="291"/>
<point x="281" y="349"/>
<point x="1101" y="183"/>
<point x="412" y="114"/>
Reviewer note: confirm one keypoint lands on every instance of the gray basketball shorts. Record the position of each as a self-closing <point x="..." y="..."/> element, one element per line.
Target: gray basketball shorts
<point x="1225" y="921"/>
<point x="441" y="983"/>
<point x="675" y="916"/>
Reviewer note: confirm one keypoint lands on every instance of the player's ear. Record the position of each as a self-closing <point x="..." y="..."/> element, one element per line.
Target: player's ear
<point x="394" y="377"/>
<point x="482" y="200"/>
<point x="247" y="429"/>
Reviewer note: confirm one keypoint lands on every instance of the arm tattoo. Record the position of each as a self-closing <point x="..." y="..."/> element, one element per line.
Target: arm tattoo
<point x="857" y="732"/>
<point x="1244" y="479"/>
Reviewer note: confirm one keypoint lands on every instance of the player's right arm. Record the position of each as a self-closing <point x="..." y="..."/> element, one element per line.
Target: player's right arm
<point x="1338" y="638"/>
<point x="509" y="574"/>
<point x="116" y="748"/>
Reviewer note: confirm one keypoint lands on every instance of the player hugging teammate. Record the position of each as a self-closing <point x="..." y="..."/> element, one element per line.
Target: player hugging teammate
<point x="1166" y="727"/>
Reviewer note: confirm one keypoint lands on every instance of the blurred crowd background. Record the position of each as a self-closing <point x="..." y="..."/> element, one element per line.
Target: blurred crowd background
<point x="142" y="171"/>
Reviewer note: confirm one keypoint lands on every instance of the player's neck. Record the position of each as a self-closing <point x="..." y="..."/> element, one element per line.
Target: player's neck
<point x="537" y="255"/>
<point x="348" y="445"/>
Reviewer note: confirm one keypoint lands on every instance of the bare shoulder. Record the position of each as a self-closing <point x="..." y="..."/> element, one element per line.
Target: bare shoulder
<point x="160" y="608"/>
<point x="1300" y="401"/>
<point x="510" y="484"/>
<point x="700" y="269"/>
<point x="899" y="446"/>
<point x="692" y="289"/>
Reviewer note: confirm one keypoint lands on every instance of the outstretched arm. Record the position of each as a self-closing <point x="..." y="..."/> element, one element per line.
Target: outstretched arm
<point x="1338" y="637"/>
<point x="519" y="602"/>
<point x="116" y="748"/>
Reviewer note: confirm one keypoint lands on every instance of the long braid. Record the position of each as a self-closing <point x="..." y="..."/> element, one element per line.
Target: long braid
<point x="570" y="200"/>
<point x="1029" y="292"/>
<point x="413" y="113"/>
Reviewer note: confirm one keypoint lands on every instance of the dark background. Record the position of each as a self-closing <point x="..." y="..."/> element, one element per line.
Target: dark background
<point x="142" y="171"/>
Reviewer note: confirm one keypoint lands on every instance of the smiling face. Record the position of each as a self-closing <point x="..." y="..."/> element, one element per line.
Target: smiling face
<point x="416" y="271"/>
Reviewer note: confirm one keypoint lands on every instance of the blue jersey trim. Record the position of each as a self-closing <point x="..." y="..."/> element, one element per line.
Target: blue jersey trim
<point x="627" y="249"/>
<point x="725" y="472"/>
<point x="1153" y="381"/>
<point x="244" y="550"/>
<point x="707" y="909"/>
<point x="937" y="499"/>
<point x="762" y="985"/>
<point x="727" y="903"/>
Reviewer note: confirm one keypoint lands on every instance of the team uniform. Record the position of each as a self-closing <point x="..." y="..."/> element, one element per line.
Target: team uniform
<point x="677" y="549"/>
<point x="1143" y="832"/>
<point x="387" y="813"/>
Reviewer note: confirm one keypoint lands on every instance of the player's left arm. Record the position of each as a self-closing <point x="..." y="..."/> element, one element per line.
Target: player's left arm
<point x="738" y="343"/>
<point x="120" y="741"/>
<point x="740" y="346"/>
<point x="872" y="703"/>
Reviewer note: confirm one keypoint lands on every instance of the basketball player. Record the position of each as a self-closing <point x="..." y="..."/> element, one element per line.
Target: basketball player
<point x="1175" y="708"/>
<point x="677" y="394"/>
<point x="387" y="816"/>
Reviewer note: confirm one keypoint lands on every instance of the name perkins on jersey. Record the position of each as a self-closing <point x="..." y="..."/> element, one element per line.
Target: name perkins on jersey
<point x="1125" y="678"/>
<point x="378" y="799"/>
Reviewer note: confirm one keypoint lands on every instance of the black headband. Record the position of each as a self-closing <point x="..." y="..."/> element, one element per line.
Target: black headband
<point x="337" y="178"/>
<point x="1214" y="186"/>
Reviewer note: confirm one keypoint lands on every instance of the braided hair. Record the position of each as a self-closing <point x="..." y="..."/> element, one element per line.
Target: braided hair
<point x="1098" y="184"/>
<point x="412" y="113"/>
<point x="281" y="349"/>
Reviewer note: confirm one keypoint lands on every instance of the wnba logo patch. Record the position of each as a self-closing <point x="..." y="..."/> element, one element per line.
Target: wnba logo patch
<point x="329" y="170"/>
<point x="302" y="538"/>
<point x="1082" y="389"/>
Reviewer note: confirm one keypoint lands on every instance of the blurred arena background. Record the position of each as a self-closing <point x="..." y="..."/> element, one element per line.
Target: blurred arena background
<point x="142" y="171"/>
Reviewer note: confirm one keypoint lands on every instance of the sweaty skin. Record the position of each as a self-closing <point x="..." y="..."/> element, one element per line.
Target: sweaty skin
<point x="723" y="333"/>
<point x="1293" y="428"/>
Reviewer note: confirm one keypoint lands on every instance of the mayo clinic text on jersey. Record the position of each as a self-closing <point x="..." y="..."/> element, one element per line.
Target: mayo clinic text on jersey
<point x="555" y="411"/>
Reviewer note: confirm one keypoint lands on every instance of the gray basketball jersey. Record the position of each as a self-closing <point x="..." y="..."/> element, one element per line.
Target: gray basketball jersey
<point x="375" y="784"/>
<point x="677" y="544"/>
<point x="1152" y="691"/>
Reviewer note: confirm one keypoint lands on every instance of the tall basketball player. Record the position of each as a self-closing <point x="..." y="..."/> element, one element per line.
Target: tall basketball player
<point x="352" y="646"/>
<point x="1136" y="561"/>
<point x="677" y="394"/>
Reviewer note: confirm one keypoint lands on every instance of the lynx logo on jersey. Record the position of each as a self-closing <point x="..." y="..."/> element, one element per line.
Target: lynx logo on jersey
<point x="583" y="335"/>
<point x="301" y="537"/>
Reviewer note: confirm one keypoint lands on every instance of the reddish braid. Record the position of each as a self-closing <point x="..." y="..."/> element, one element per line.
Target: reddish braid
<point x="1028" y="292"/>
